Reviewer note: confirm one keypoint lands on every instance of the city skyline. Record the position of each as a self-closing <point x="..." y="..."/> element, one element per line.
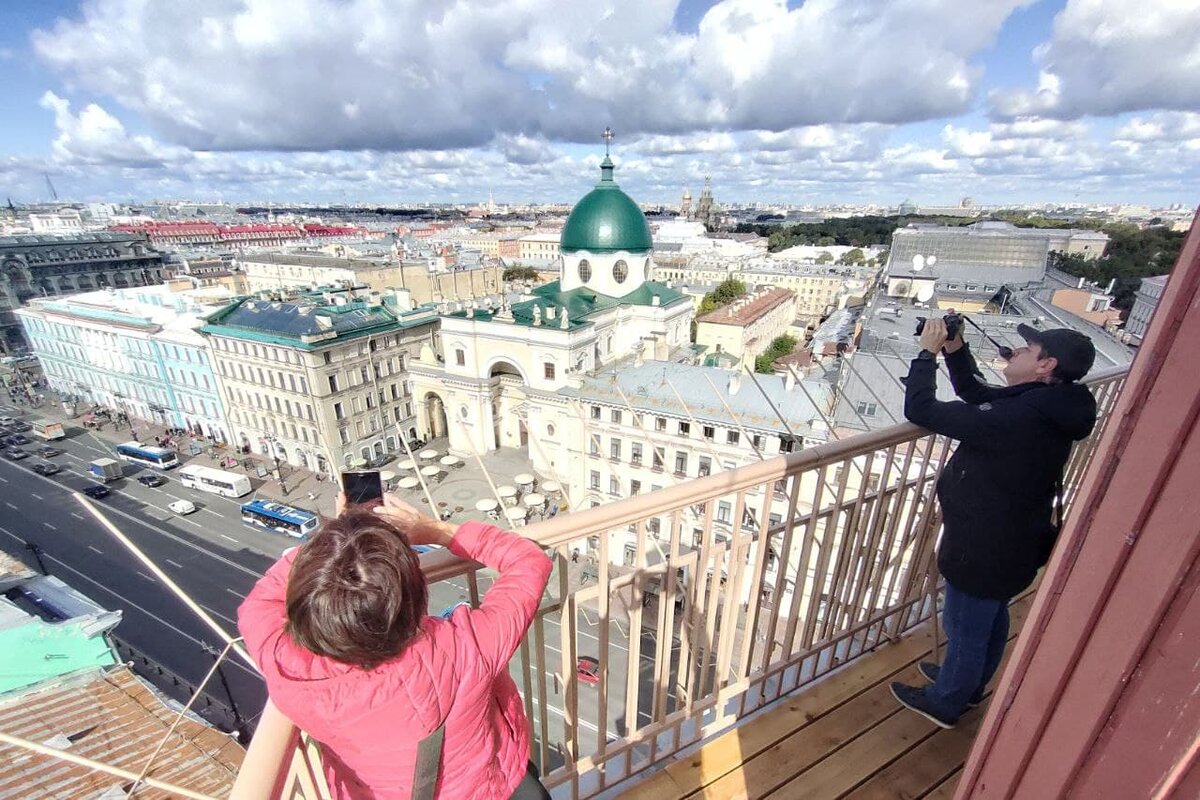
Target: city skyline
<point x="1009" y="101"/>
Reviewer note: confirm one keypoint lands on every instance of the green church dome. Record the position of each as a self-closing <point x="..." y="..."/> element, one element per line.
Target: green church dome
<point x="606" y="220"/>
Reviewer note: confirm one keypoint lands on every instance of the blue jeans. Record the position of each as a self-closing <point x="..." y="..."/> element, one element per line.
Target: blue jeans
<point x="976" y="632"/>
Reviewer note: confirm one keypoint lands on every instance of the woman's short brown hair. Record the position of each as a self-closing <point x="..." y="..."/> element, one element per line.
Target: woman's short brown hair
<point x="356" y="593"/>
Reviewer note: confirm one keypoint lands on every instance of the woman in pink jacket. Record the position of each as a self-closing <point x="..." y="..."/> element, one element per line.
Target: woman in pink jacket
<point x="339" y="629"/>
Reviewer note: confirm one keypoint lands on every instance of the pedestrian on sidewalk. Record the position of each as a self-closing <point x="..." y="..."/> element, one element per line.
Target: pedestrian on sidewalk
<point x="347" y="658"/>
<point x="1001" y="492"/>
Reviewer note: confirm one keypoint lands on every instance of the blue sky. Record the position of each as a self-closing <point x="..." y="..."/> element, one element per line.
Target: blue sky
<point x="855" y="101"/>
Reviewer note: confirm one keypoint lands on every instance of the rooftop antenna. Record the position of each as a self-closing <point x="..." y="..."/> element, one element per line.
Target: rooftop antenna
<point x="607" y="136"/>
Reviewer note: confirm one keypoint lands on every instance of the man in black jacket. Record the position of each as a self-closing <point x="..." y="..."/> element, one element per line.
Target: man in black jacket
<point x="997" y="493"/>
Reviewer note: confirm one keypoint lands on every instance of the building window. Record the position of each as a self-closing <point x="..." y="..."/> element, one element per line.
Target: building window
<point x="339" y="412"/>
<point x="614" y="450"/>
<point x="867" y="409"/>
<point x="460" y="357"/>
<point x="758" y="441"/>
<point x="344" y="435"/>
<point x="709" y="433"/>
<point x="333" y="383"/>
<point x="614" y="486"/>
<point x="685" y="428"/>
<point x="732" y="437"/>
<point x="328" y="357"/>
<point x="549" y="430"/>
<point x="620" y="271"/>
<point x="681" y="460"/>
<point x="585" y="270"/>
<point x="724" y="512"/>
<point x="595" y="446"/>
<point x="660" y="423"/>
<point x="594" y="480"/>
<point x="634" y="487"/>
<point x="630" y="555"/>
<point x="705" y="467"/>
<point x="595" y="412"/>
<point x="615" y="416"/>
<point x="548" y="370"/>
<point x="657" y="458"/>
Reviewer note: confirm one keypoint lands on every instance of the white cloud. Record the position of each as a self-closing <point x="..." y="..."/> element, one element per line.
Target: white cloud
<point x="1110" y="56"/>
<point x="96" y="137"/>
<point x="1169" y="126"/>
<point x="359" y="74"/>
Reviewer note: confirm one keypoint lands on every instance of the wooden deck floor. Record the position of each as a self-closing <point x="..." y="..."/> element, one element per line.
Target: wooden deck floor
<point x="843" y="737"/>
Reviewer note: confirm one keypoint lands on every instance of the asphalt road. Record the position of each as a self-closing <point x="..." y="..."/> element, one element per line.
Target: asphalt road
<point x="215" y="559"/>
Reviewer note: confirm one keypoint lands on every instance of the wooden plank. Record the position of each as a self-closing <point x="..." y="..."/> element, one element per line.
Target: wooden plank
<point x="945" y="789"/>
<point x="732" y="751"/>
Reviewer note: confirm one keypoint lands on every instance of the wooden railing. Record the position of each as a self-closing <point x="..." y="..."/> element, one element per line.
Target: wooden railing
<point x="704" y="601"/>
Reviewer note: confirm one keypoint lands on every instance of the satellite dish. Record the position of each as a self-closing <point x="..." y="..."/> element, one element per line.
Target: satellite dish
<point x="918" y="263"/>
<point x="925" y="293"/>
<point x="929" y="262"/>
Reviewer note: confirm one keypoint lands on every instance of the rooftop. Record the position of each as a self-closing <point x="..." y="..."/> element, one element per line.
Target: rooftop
<point x="551" y="302"/>
<point x="749" y="309"/>
<point x="308" y="325"/>
<point x="68" y="238"/>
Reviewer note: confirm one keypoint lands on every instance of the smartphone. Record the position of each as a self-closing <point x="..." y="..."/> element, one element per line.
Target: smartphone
<point x="362" y="487"/>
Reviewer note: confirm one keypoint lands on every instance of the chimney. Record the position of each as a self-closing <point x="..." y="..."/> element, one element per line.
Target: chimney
<point x="1080" y="286"/>
<point x="735" y="383"/>
<point x="637" y="354"/>
<point x="656" y="300"/>
<point x="537" y="316"/>
<point x="789" y="380"/>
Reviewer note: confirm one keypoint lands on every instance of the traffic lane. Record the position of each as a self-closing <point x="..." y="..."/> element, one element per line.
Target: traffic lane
<point x="156" y="624"/>
<point x="56" y="520"/>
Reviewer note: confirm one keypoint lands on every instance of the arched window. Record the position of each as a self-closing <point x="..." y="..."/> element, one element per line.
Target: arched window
<point x="620" y="271"/>
<point x="585" y="270"/>
<point x="647" y="269"/>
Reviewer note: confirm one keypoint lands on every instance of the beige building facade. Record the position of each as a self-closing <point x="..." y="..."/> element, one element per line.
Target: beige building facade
<point x="745" y="328"/>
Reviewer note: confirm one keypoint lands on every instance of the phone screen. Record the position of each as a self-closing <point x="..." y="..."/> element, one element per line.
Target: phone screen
<point x="362" y="488"/>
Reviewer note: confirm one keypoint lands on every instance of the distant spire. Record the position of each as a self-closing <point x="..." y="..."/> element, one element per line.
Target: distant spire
<point x="607" y="136"/>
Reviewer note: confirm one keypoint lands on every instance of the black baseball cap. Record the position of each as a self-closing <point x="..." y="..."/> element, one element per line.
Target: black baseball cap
<point x="1073" y="350"/>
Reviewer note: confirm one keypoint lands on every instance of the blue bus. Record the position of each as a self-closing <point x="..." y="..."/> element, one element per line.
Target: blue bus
<point x="147" y="455"/>
<point x="278" y="517"/>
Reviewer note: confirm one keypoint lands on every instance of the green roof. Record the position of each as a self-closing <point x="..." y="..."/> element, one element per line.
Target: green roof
<point x="38" y="651"/>
<point x="287" y="324"/>
<point x="580" y="303"/>
<point x="606" y="220"/>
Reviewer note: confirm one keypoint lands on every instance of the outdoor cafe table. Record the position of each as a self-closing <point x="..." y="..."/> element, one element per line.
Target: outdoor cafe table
<point x="431" y="471"/>
<point x="533" y="500"/>
<point x="508" y="494"/>
<point x="407" y="463"/>
<point x="524" y="479"/>
<point x="450" y="461"/>
<point x="486" y="504"/>
<point x="359" y="463"/>
<point x="515" y="515"/>
<point x="428" y="455"/>
<point x="386" y="477"/>
<point x="409" y="483"/>
<point x="550" y="487"/>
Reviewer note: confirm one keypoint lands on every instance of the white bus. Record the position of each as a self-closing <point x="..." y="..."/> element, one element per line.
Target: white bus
<point x="218" y="481"/>
<point x="147" y="455"/>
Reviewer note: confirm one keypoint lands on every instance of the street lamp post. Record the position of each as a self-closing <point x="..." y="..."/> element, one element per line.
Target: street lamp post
<point x="273" y="443"/>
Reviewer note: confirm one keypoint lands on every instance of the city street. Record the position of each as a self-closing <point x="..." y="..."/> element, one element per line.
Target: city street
<point x="216" y="559"/>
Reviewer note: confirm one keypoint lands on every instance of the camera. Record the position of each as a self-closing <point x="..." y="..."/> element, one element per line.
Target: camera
<point x="954" y="323"/>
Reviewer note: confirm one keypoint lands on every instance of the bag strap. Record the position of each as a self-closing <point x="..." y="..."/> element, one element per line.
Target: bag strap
<point x="429" y="756"/>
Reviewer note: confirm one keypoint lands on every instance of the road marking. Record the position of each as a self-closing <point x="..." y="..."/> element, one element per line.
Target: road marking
<point x="38" y="496"/>
<point x="209" y="510"/>
<point x="147" y="577"/>
<point x="76" y="516"/>
<point x="51" y="527"/>
<point x="10" y="505"/>
<point x="190" y="522"/>
<point x="95" y="550"/>
<point x="175" y="564"/>
<point x="232" y="592"/>
<point x="230" y="538"/>
<point x="5" y="480"/>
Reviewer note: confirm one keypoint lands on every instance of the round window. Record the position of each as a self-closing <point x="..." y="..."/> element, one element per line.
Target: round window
<point x="585" y="270"/>
<point x="647" y="269"/>
<point x="464" y="412"/>
<point x="549" y="430"/>
<point x="620" y="271"/>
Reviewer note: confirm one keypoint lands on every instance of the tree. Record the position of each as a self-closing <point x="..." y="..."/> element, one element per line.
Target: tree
<point x="780" y="347"/>
<point x="520" y="274"/>
<point x="853" y="257"/>
<point x="825" y="258"/>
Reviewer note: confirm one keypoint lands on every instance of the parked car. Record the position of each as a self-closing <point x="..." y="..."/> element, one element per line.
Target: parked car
<point x="588" y="670"/>
<point x="151" y="480"/>
<point x="15" y="454"/>
<point x="48" y="452"/>
<point x="7" y="420"/>
<point x="15" y="439"/>
<point x="97" y="491"/>
<point x="182" y="507"/>
<point x="46" y="468"/>
<point x="19" y="426"/>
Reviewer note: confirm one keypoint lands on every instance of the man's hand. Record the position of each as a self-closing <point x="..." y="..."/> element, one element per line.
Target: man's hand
<point x="933" y="335"/>
<point x="419" y="528"/>
<point x="955" y="344"/>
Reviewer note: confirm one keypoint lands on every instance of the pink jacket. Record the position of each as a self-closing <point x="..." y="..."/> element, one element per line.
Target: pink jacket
<point x="369" y="723"/>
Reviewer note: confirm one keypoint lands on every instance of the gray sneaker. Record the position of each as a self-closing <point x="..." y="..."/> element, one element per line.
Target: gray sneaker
<point x="931" y="670"/>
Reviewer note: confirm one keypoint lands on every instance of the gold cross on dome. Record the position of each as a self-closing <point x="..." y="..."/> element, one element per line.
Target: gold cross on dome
<point x="607" y="136"/>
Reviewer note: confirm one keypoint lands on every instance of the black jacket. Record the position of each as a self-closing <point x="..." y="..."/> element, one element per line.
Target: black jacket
<point x="997" y="491"/>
